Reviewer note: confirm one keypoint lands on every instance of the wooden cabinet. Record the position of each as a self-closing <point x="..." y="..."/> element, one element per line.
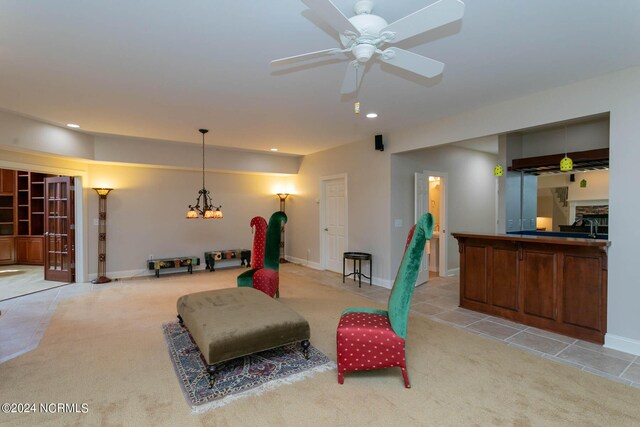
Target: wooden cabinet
<point x="29" y="250"/>
<point x="30" y="217"/>
<point x="7" y="202"/>
<point x="550" y="283"/>
<point x="7" y="181"/>
<point x="7" y="252"/>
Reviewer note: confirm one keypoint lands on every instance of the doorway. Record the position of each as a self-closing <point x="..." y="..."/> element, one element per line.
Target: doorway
<point x="32" y="243"/>
<point x="430" y="189"/>
<point x="333" y="221"/>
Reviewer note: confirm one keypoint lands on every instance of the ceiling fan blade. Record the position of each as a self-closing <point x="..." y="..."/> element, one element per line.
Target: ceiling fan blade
<point x="433" y="16"/>
<point x="304" y="57"/>
<point x="352" y="78"/>
<point x="332" y="16"/>
<point x="410" y="61"/>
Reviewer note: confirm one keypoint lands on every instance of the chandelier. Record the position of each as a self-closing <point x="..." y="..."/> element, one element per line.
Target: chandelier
<point x="207" y="210"/>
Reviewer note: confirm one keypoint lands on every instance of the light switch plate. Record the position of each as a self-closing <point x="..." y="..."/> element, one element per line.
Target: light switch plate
<point x="397" y="223"/>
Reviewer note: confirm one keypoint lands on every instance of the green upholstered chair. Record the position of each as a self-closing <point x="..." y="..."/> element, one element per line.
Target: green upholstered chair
<point x="374" y="339"/>
<point x="267" y="279"/>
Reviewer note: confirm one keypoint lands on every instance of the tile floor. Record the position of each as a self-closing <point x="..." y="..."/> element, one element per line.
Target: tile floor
<point x="25" y="319"/>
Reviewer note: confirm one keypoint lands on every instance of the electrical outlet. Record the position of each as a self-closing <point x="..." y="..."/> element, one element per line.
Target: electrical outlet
<point x="96" y="221"/>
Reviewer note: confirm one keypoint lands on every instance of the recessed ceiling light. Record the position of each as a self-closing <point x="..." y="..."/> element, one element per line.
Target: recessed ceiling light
<point x="372" y="115"/>
<point x="73" y="125"/>
<point x="274" y="149"/>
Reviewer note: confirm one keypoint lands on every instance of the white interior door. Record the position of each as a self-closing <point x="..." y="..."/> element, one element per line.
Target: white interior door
<point x="334" y="213"/>
<point x="421" y="188"/>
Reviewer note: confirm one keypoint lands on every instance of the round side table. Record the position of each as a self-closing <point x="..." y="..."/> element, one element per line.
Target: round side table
<point x="357" y="257"/>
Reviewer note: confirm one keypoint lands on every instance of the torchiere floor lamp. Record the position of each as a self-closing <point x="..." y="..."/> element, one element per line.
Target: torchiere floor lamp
<point x="282" y="197"/>
<point x="102" y="236"/>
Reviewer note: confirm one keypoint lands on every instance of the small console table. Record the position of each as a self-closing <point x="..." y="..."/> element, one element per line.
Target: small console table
<point x="211" y="257"/>
<point x="359" y="257"/>
<point x="177" y="262"/>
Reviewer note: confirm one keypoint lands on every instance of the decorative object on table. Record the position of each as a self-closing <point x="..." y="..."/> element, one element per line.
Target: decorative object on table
<point x="583" y="183"/>
<point x="267" y="279"/>
<point x="240" y="377"/>
<point x="102" y="235"/>
<point x="382" y="334"/>
<point x="211" y="257"/>
<point x="177" y="262"/>
<point x="282" y="197"/>
<point x="357" y="257"/>
<point x="364" y="35"/>
<point x="207" y="210"/>
<point x="498" y="171"/>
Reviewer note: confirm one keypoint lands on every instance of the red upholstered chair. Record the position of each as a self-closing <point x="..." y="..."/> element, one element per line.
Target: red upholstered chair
<point x="259" y="225"/>
<point x="374" y="339"/>
<point x="266" y="277"/>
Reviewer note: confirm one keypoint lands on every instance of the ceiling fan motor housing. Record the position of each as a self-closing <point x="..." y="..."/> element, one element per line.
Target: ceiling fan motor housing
<point x="365" y="45"/>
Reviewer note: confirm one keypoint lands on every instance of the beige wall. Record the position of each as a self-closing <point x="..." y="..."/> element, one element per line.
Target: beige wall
<point x="368" y="204"/>
<point x="597" y="186"/>
<point x="146" y="214"/>
<point x="470" y="193"/>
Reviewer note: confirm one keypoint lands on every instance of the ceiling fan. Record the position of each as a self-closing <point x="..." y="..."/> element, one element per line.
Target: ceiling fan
<point x="364" y="34"/>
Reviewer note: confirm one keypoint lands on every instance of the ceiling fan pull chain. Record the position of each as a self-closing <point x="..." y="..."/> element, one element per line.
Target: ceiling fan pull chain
<point x="356" y="106"/>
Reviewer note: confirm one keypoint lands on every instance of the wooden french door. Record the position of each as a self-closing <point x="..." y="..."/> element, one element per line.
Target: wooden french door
<point x="59" y="235"/>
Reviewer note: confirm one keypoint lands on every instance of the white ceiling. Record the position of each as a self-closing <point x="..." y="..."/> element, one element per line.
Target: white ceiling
<point x="164" y="68"/>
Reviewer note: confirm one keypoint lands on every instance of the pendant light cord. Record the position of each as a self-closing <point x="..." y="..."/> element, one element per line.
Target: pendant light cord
<point x="203" y="161"/>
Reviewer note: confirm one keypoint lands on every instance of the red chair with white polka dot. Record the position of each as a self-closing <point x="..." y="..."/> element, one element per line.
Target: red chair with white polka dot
<point x="375" y="339"/>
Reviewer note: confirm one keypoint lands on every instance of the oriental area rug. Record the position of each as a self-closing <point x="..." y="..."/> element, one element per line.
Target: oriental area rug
<point x="241" y="377"/>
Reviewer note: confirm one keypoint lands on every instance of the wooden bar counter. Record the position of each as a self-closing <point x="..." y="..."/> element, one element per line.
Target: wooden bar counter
<point x="553" y="283"/>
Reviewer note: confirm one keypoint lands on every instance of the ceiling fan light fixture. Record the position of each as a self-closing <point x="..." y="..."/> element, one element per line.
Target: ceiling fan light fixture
<point x="363" y="52"/>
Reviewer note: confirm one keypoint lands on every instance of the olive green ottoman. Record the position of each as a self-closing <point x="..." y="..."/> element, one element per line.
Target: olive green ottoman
<point x="230" y="323"/>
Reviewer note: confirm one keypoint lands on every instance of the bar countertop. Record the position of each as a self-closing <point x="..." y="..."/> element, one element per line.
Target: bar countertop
<point x="552" y="240"/>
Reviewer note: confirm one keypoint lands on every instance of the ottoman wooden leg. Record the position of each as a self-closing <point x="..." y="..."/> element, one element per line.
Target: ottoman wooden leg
<point x="211" y="370"/>
<point x="305" y="348"/>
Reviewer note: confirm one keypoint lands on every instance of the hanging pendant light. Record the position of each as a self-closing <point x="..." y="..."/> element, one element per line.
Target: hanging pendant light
<point x="566" y="164"/>
<point x="207" y="210"/>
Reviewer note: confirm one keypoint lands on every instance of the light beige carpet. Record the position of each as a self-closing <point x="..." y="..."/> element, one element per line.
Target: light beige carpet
<point x="17" y="280"/>
<point x="106" y="349"/>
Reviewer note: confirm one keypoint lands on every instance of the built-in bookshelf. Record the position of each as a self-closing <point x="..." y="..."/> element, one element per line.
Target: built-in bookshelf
<point x="30" y="206"/>
<point x="7" y="196"/>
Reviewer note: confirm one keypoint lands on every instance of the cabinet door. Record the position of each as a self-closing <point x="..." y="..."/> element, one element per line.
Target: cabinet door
<point x="475" y="286"/>
<point x="6" y="250"/>
<point x="29" y="250"/>
<point x="7" y="181"/>
<point x="584" y="292"/>
<point x="539" y="283"/>
<point x="504" y="278"/>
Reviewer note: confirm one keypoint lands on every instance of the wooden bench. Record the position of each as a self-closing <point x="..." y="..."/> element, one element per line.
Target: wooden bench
<point x="177" y="262"/>
<point x="211" y="257"/>
<point x="234" y="322"/>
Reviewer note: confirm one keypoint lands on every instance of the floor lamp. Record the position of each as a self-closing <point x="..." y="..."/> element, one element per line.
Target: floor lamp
<point x="282" y="197"/>
<point x="102" y="235"/>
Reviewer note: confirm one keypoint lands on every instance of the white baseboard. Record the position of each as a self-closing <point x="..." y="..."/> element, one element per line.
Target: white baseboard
<point x="304" y="262"/>
<point x="628" y="345"/>
<point x="316" y="266"/>
<point x="453" y="272"/>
